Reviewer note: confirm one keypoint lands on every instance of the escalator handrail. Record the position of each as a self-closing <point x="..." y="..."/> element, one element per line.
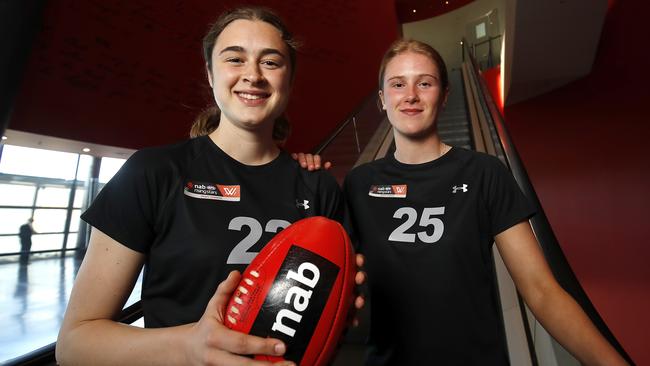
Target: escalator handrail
<point x="541" y="226"/>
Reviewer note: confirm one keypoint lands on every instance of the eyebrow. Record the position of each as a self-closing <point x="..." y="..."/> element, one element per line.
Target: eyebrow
<point x="420" y="75"/>
<point x="264" y="52"/>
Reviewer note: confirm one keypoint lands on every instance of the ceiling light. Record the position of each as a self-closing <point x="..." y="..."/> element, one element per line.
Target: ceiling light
<point x="414" y="10"/>
<point x="4" y="137"/>
<point x="85" y="149"/>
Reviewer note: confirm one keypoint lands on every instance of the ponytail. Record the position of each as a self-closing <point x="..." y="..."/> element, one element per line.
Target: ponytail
<point x="208" y="120"/>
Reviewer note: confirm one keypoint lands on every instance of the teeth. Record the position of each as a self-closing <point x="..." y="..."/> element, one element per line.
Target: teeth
<point x="250" y="96"/>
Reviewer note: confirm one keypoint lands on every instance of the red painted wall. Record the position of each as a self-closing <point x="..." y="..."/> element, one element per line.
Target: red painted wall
<point x="131" y="74"/>
<point x="585" y="147"/>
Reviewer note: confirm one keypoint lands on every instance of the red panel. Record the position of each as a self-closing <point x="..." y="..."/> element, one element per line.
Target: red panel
<point x="585" y="148"/>
<point x="414" y="10"/>
<point x="492" y="79"/>
<point x="130" y="73"/>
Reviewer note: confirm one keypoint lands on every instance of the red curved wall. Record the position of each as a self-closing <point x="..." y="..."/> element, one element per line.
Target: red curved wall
<point x="131" y="74"/>
<point x="585" y="147"/>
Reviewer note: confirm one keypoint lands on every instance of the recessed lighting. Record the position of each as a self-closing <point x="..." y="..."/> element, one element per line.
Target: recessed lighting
<point x="446" y="2"/>
<point x="414" y="10"/>
<point x="85" y="149"/>
<point x="4" y="137"/>
<point x="461" y="42"/>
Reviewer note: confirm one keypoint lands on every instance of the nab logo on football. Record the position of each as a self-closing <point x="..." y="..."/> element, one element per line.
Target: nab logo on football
<point x="296" y="300"/>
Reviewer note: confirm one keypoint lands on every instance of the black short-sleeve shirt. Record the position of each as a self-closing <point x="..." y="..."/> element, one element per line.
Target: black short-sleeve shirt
<point x="197" y="214"/>
<point x="427" y="231"/>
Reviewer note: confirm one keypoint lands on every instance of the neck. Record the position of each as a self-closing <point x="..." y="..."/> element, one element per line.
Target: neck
<point x="418" y="151"/>
<point x="255" y="147"/>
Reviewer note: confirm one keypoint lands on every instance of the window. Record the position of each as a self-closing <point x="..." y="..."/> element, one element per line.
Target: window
<point x="109" y="167"/>
<point x="37" y="183"/>
<point x="27" y="161"/>
<point x="480" y="30"/>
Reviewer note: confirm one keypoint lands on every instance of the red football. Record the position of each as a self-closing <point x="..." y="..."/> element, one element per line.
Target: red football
<point x="299" y="289"/>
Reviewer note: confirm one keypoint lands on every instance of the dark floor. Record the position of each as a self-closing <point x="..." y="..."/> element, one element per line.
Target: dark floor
<point x="33" y="299"/>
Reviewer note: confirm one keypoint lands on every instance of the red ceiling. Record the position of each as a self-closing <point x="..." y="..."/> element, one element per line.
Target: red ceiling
<point x="414" y="10"/>
<point x="129" y="73"/>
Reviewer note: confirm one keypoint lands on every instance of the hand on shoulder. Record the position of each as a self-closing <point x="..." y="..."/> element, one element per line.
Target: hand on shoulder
<point x="310" y="162"/>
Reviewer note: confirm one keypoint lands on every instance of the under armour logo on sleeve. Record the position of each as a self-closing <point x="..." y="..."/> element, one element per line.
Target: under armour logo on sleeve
<point x="463" y="188"/>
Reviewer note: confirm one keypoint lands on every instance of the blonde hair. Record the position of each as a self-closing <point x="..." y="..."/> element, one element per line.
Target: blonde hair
<point x="410" y="45"/>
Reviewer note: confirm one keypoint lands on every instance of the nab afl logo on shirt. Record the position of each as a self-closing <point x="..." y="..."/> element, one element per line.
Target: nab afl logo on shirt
<point x="209" y="191"/>
<point x="388" y="190"/>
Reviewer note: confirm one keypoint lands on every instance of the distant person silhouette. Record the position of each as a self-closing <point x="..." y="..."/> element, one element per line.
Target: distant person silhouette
<point x="25" y="234"/>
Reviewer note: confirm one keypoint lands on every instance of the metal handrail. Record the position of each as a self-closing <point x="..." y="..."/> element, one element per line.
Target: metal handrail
<point x="350" y="119"/>
<point x="541" y="226"/>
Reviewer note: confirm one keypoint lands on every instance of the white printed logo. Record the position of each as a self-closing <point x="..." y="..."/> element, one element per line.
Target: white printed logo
<point x="304" y="204"/>
<point x="463" y="188"/>
<point x="230" y="191"/>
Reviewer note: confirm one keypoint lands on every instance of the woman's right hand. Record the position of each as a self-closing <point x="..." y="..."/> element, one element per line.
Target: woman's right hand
<point x="212" y="343"/>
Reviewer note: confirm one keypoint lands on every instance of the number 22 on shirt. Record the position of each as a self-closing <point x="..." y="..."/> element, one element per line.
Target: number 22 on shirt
<point x="240" y="253"/>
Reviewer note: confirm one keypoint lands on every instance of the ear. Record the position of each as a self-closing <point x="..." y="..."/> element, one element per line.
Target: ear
<point x="209" y="73"/>
<point x="381" y="98"/>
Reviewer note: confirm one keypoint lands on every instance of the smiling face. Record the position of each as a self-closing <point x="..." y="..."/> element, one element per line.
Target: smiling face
<point x="251" y="74"/>
<point x="412" y="94"/>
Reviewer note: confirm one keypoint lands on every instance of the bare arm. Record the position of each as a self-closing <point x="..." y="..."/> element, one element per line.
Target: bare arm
<point x="560" y="315"/>
<point x="90" y="336"/>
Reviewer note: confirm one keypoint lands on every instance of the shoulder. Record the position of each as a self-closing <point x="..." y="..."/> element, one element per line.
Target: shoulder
<point x="365" y="171"/>
<point x="165" y="159"/>
<point x="478" y="160"/>
<point x="316" y="180"/>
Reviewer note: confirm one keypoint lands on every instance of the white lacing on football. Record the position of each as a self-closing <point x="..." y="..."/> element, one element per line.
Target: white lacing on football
<point x="238" y="300"/>
<point x="231" y="319"/>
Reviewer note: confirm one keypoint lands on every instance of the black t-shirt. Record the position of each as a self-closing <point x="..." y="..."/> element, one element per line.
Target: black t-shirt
<point x="427" y="231"/>
<point x="197" y="214"/>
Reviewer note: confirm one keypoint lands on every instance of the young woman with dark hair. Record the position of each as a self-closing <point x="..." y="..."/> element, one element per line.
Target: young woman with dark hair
<point x="196" y="212"/>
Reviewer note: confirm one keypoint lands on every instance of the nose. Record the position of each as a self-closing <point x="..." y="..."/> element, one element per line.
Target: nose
<point x="253" y="74"/>
<point x="412" y="95"/>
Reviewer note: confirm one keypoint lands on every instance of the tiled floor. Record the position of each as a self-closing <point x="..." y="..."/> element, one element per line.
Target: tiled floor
<point x="33" y="299"/>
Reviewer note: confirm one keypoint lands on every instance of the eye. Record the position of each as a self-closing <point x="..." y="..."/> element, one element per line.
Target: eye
<point x="397" y="84"/>
<point x="270" y="64"/>
<point x="234" y="60"/>
<point x="425" y="84"/>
